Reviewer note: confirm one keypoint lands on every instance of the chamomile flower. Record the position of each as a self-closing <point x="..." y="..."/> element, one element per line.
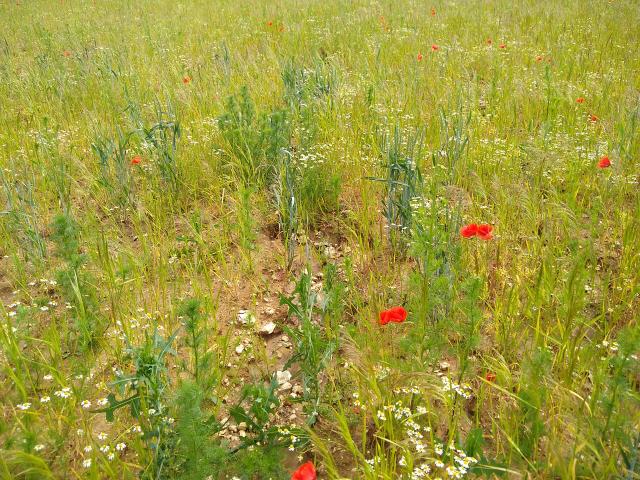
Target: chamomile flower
<point x="64" y="393"/>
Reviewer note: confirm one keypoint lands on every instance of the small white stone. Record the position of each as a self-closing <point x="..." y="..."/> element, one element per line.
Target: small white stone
<point x="285" y="386"/>
<point x="283" y="376"/>
<point x="267" y="328"/>
<point x="245" y="317"/>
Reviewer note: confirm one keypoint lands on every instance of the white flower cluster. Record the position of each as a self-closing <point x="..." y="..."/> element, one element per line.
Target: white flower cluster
<point x="64" y="393"/>
<point x="381" y="372"/>
<point x="463" y="390"/>
<point x="415" y="434"/>
<point x="611" y="346"/>
<point x="421" y="471"/>
<point x="373" y="461"/>
<point x="407" y="390"/>
<point x="399" y="411"/>
<point x="462" y="463"/>
<point x="457" y="469"/>
<point x="107" y="450"/>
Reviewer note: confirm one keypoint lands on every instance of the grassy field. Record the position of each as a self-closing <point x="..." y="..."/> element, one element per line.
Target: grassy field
<point x="396" y="239"/>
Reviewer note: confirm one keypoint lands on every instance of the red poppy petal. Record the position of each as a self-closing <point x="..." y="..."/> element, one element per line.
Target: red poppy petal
<point x="604" y="162"/>
<point x="484" y="229"/>
<point x="399" y="314"/>
<point x="395" y="314"/>
<point x="306" y="471"/>
<point x="469" y="231"/>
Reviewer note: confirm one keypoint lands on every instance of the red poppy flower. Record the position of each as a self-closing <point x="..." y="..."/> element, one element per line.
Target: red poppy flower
<point x="490" y="377"/>
<point x="503" y="45"/>
<point x="539" y="58"/>
<point x="306" y="471"/>
<point x="419" y="56"/>
<point x="469" y="231"/>
<point x="484" y="231"/>
<point x="604" y="162"/>
<point x="489" y="41"/>
<point x="66" y="53"/>
<point x="395" y="315"/>
<point x="433" y="12"/>
<point x="269" y="23"/>
<point x="593" y="118"/>
<point x="580" y="100"/>
<point x="136" y="160"/>
<point x="186" y="79"/>
<point x="435" y="48"/>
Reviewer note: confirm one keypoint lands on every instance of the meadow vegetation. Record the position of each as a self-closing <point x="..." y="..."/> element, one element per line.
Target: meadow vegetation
<point x="395" y="239"/>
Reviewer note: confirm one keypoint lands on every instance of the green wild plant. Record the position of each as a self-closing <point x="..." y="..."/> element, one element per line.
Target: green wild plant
<point x="76" y="282"/>
<point x="402" y="182"/>
<point x="255" y="140"/>
<point x="115" y="175"/>
<point x="313" y="350"/>
<point x="145" y="393"/>
<point x="518" y="357"/>
<point x="198" y="340"/>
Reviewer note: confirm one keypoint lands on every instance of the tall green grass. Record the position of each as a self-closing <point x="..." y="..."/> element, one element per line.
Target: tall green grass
<point x="205" y="208"/>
